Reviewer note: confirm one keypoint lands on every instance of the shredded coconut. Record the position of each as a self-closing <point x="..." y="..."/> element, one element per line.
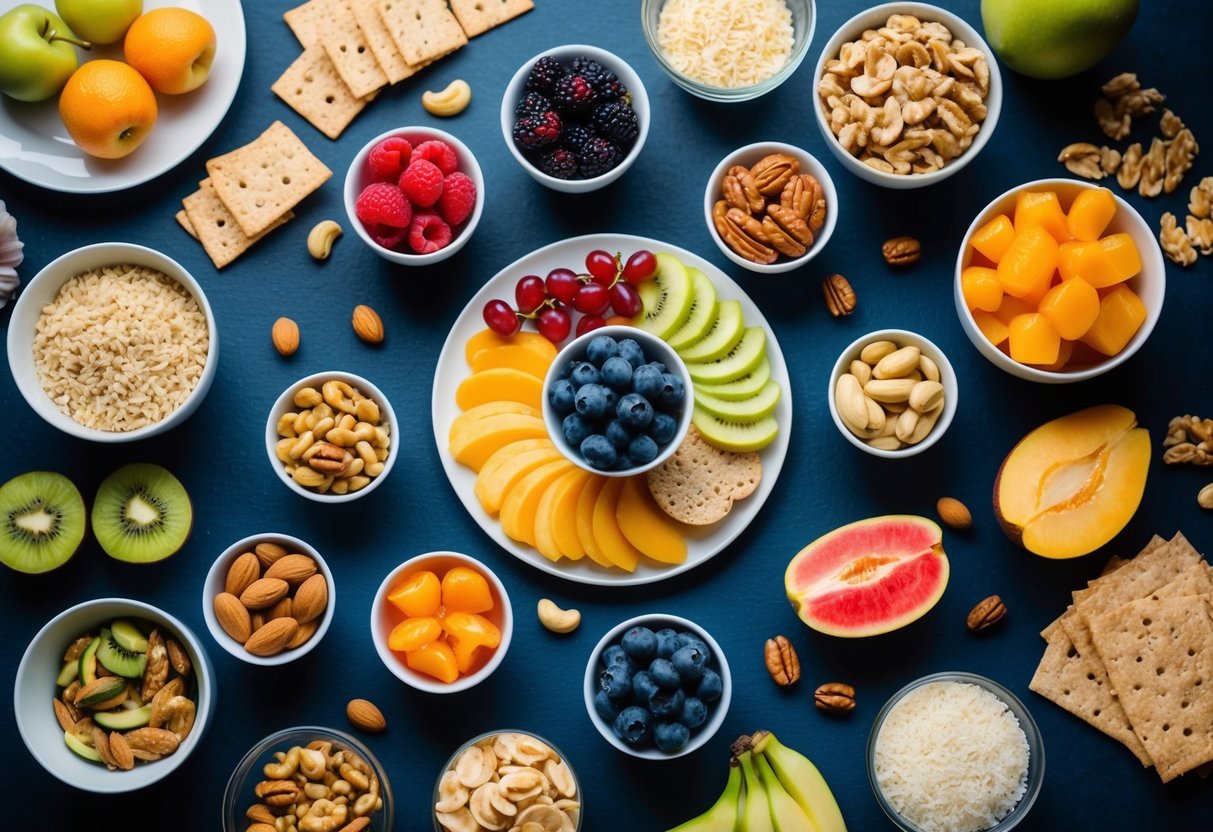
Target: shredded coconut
<point x="726" y="43"/>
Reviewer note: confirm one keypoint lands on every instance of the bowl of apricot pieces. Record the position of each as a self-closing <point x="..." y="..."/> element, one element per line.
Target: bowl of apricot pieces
<point x="1059" y="281"/>
<point x="441" y="622"/>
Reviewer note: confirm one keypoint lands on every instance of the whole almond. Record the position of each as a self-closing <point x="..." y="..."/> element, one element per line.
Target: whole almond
<point x="311" y="598"/>
<point x="294" y="569"/>
<point x="243" y="571"/>
<point x="285" y="335"/>
<point x="356" y="825"/>
<point x="285" y="608"/>
<point x="305" y="632"/>
<point x="233" y="617"/>
<point x="367" y="324"/>
<point x="954" y="513"/>
<point x="365" y="716"/>
<point x="121" y="751"/>
<point x="264" y="592"/>
<point x="267" y="553"/>
<point x="259" y="813"/>
<point x="272" y="638"/>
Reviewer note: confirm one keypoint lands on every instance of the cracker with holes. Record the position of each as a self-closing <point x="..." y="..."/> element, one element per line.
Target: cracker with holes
<point x="478" y="16"/>
<point x="699" y="483"/>
<point x="379" y="39"/>
<point x="313" y="88"/>
<point x="349" y="50"/>
<point x="308" y="21"/>
<point x="207" y="220"/>
<point x="423" y="30"/>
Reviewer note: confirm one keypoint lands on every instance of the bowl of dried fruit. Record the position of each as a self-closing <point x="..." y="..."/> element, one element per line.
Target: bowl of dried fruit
<point x="912" y="104"/>
<point x="268" y="599"/>
<point x="770" y="207"/>
<point x="113" y="694"/>
<point x="296" y="773"/>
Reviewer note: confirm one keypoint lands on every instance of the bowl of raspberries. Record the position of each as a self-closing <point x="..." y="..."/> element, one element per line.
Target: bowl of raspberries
<point x="414" y="195"/>
<point x="575" y="117"/>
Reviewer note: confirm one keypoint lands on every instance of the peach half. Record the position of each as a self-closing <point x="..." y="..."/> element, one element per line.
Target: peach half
<point x="1073" y="483"/>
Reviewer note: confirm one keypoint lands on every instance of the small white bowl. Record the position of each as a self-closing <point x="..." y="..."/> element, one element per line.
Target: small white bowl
<point x="655" y="350"/>
<point x="217" y="576"/>
<point x="658" y="621"/>
<point x="43" y="288"/>
<point x="1150" y="284"/>
<point x="947" y="377"/>
<point x="874" y="18"/>
<point x="35" y="685"/>
<point x="516" y="88"/>
<point x="747" y="156"/>
<point x="359" y="176"/>
<point x="285" y="403"/>
<point x="384" y="616"/>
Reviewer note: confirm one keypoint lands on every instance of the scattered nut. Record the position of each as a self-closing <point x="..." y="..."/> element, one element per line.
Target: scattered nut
<point x="1200" y="232"/>
<point x="321" y="238"/>
<point x="367" y="324"/>
<point x="1200" y="199"/>
<point x="285" y="336"/>
<point x="901" y="251"/>
<point x="840" y="297"/>
<point x="1175" y="242"/>
<point x="954" y="513"/>
<point x="835" y="697"/>
<point x="363" y="714"/>
<point x="555" y="619"/>
<point x="449" y="102"/>
<point x="986" y="614"/>
<point x="781" y="660"/>
<point x="1082" y="159"/>
<point x="1189" y="439"/>
<point x="1204" y="497"/>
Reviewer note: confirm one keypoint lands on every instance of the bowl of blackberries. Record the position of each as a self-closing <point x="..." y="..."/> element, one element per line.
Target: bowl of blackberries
<point x="575" y="117"/>
<point x="617" y="401"/>
<point x="657" y="686"/>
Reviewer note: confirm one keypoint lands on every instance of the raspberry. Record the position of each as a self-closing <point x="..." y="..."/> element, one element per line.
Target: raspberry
<point x="598" y="156"/>
<point x="532" y="104"/>
<point x="560" y="163"/>
<point x="384" y="213"/>
<point x="428" y="233"/>
<point x="388" y="158"/>
<point x="440" y="153"/>
<point x="616" y="120"/>
<point x="421" y="183"/>
<point x="544" y="74"/>
<point x="574" y="95"/>
<point x="458" y="198"/>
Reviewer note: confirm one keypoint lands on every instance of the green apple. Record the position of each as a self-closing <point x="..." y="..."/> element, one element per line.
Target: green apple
<point x="1055" y="38"/>
<point x="37" y="53"/>
<point x="100" y="21"/>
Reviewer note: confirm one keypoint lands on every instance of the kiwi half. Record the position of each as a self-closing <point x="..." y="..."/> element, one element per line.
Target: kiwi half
<point x="117" y="659"/>
<point x="42" y="521"/>
<point x="666" y="298"/>
<point x="723" y="335"/>
<point x="703" y="311"/>
<point x="142" y="514"/>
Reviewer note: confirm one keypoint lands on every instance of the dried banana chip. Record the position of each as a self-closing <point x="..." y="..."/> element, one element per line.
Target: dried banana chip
<point x="472" y="768"/>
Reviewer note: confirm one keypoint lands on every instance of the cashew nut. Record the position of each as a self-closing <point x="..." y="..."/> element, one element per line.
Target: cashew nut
<point x="339" y="395"/>
<point x="320" y="239"/>
<point x="324" y="816"/>
<point x="450" y="101"/>
<point x="285" y="769"/>
<point x="365" y="805"/>
<point x="555" y="619"/>
<point x="311" y="763"/>
<point x="355" y="778"/>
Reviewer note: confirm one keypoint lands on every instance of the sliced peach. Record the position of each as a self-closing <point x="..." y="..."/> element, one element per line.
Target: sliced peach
<point x="1126" y="259"/>
<point x="1043" y="209"/>
<point x="512" y="356"/>
<point x="1090" y="261"/>
<point x="482" y="411"/>
<point x="436" y="659"/>
<point x="1072" y="484"/>
<point x="994" y="238"/>
<point x="1027" y="267"/>
<point x="981" y="288"/>
<point x="615" y="547"/>
<point x="586" y="500"/>
<point x="556" y="517"/>
<point x="500" y="384"/>
<point x="994" y="329"/>
<point x="487" y="339"/>
<point x="1071" y="307"/>
<point x="465" y="590"/>
<point x="1090" y="213"/>
<point x="520" y="503"/>
<point x="473" y="445"/>
<point x="1032" y="339"/>
<point x="417" y="596"/>
<point x="1121" y="314"/>
<point x="492" y="484"/>
<point x="646" y="526"/>
<point x="412" y="633"/>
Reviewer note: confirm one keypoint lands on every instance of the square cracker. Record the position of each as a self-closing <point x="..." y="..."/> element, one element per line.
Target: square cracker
<point x="308" y="21"/>
<point x="1115" y="562"/>
<point x="478" y="16"/>
<point x="349" y="50"/>
<point x="183" y="219"/>
<point x="313" y="89"/>
<point x="209" y="222"/>
<point x="1159" y="656"/>
<point x="422" y="29"/>
<point x="366" y="12"/>
<point x="266" y="178"/>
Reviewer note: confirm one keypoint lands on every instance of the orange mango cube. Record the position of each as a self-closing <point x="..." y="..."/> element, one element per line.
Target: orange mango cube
<point x="1043" y="209"/>
<point x="1027" y="266"/>
<point x="1126" y="259"/>
<point x="1071" y="307"/>
<point x="1033" y="340"/>
<point x="1012" y="308"/>
<point x="1064" y="352"/>
<point x="412" y="633"/>
<point x="981" y="288"/>
<point x="990" y="326"/>
<point x="418" y="595"/>
<point x="1121" y="314"/>
<point x="994" y="238"/>
<point x="1088" y="260"/>
<point x="435" y="659"/>
<point x="466" y="590"/>
<point x="1090" y="214"/>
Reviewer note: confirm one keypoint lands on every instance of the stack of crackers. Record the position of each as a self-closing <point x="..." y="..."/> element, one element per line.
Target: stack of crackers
<point x="1133" y="656"/>
<point x="354" y="48"/>
<point x="699" y="483"/>
<point x="249" y="192"/>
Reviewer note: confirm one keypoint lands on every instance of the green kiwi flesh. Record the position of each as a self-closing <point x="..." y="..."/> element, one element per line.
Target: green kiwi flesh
<point x="742" y="359"/>
<point x="722" y="337"/>
<point x="703" y="311"/>
<point x="117" y="659"/>
<point x="128" y="636"/>
<point x="142" y="514"/>
<point x="68" y="673"/>
<point x="742" y="388"/>
<point x="77" y="745"/>
<point x="737" y="437"/>
<point x="666" y="298"/>
<point x="758" y="406"/>
<point x="42" y="521"/>
<point x="124" y="719"/>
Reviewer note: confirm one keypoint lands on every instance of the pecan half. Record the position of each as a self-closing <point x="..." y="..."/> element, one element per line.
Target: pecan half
<point x="737" y="240"/>
<point x="277" y="792"/>
<point x="329" y="459"/>
<point x="740" y="191"/>
<point x="791" y="224"/>
<point x="840" y="297"/>
<point x="986" y="614"/>
<point x="781" y="660"/>
<point x="772" y="172"/>
<point x="803" y="194"/>
<point x="901" y="251"/>
<point x="835" y="697"/>
<point x="780" y="240"/>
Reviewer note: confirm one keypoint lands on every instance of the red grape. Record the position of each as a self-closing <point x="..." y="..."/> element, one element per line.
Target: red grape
<point x="500" y="318"/>
<point x="592" y="299"/>
<point x="530" y="293"/>
<point x="563" y="284"/>
<point x="602" y="266"/>
<point x="589" y="323"/>
<point x="554" y="324"/>
<point x="625" y="300"/>
<point x="640" y="267"/>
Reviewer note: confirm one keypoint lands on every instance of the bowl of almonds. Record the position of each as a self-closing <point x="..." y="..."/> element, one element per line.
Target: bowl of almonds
<point x="268" y="599"/>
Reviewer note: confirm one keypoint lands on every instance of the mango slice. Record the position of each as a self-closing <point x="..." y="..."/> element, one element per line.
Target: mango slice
<point x="500" y="384"/>
<point x="1121" y="314"/>
<point x="994" y="238"/>
<point x="981" y="288"/>
<point x="1042" y="209"/>
<point x="1028" y="265"/>
<point x="1071" y="307"/>
<point x="1032" y="339"/>
<point x="1090" y="213"/>
<point x="646" y="526"/>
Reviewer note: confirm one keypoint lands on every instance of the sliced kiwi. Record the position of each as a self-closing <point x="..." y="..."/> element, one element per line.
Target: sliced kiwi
<point x="125" y="719"/>
<point x="43" y="521"/>
<point x="88" y="662"/>
<point x="128" y="636"/>
<point x="666" y="298"/>
<point x="722" y="337"/>
<point x="742" y="388"/>
<point x="738" y="437"/>
<point x="117" y="659"/>
<point x="142" y="514"/>
<point x="703" y="311"/>
<point x="742" y="359"/>
<point x="77" y="745"/>
<point x="747" y="410"/>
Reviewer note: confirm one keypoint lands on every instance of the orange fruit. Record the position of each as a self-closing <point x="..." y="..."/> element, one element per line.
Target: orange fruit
<point x="172" y="48"/>
<point x="107" y="108"/>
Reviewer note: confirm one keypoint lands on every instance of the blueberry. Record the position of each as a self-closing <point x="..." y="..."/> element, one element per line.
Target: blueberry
<point x="661" y="368"/>
<point x="614" y="655"/>
<point x="672" y="392"/>
<point x="612" y="399"/>
<point x="616" y="680"/>
<point x="689" y="662"/>
<point x="634" y="411"/>
<point x="599" y="452"/>
<point x="670" y="736"/>
<point x="575" y="429"/>
<point x="617" y="374"/>
<point x="667" y="704"/>
<point x="565" y="369"/>
<point x="591" y="401"/>
<point x="667" y="643"/>
<point x="643" y="686"/>
<point x="639" y="643"/>
<point x="687" y="639"/>
<point x="600" y="349"/>
<point x="604" y="707"/>
<point x="710" y="686"/>
<point x="618" y="434"/>
<point x="693" y="713"/>
<point x="664" y="673"/>
<point x="632" y="725"/>
<point x="631" y="352"/>
<point x="624" y="462"/>
<point x="584" y="373"/>
<point x="560" y="396"/>
<point x="646" y="380"/>
<point x="642" y="450"/>
<point x="662" y="428"/>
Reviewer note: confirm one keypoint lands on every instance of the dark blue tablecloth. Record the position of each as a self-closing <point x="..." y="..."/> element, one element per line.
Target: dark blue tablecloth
<point x="1091" y="782"/>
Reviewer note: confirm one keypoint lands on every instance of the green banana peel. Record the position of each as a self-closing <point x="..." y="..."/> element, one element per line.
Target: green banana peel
<point x="801" y="779"/>
<point x="722" y="817"/>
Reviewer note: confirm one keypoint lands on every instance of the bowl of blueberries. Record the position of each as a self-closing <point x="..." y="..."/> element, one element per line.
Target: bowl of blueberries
<point x="657" y="686"/>
<point x="617" y="401"/>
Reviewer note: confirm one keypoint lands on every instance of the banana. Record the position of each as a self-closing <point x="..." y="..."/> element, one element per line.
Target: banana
<point x="786" y="814"/>
<point x="801" y="779"/>
<point x="722" y="817"/>
<point x="450" y="101"/>
<point x="756" y="811"/>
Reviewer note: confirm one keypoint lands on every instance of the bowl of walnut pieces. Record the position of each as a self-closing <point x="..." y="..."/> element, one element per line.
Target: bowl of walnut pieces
<point x="907" y="94"/>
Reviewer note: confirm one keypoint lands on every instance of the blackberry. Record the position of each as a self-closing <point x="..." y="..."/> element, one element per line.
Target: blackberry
<point x="574" y="96"/>
<point x="534" y="132"/>
<point x="532" y="104"/>
<point x="559" y="162"/>
<point x="597" y="156"/>
<point x="576" y="135"/>
<point x="605" y="83"/>
<point x="544" y="75"/>
<point x="617" y="120"/>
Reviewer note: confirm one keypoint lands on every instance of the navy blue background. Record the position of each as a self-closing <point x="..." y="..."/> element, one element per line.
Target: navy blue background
<point x="1091" y="781"/>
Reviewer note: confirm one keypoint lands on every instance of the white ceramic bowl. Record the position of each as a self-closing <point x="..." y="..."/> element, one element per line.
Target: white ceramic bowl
<point x="1150" y="284"/>
<point x="747" y="156"/>
<point x="655" y="350"/>
<point x="384" y="616"/>
<point x="947" y="377"/>
<point x="35" y="686"/>
<point x="43" y="288"/>
<point x="516" y="88"/>
<point x="658" y="621"/>
<point x="359" y="176"/>
<point x="874" y="18"/>
<point x="217" y="576"/>
<point x="285" y="403"/>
